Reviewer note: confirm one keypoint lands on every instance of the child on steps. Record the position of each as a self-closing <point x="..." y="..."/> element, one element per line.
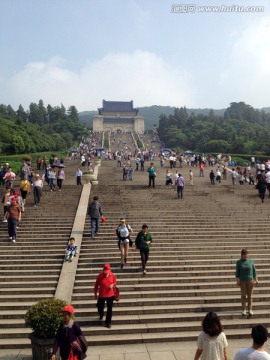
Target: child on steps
<point x="71" y="250"/>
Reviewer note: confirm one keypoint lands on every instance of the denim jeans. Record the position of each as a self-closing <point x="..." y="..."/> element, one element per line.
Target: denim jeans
<point x="180" y="192"/>
<point x="94" y="223"/>
<point x="52" y="183"/>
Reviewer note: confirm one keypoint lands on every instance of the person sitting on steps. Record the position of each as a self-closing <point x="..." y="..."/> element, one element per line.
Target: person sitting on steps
<point x="71" y="250"/>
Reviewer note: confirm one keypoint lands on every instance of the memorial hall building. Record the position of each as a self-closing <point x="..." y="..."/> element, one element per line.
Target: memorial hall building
<point x="118" y="116"/>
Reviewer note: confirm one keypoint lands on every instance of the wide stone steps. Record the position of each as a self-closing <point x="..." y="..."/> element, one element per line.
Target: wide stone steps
<point x="155" y="282"/>
<point x="192" y="261"/>
<point x="30" y="268"/>
<point x="140" y="328"/>
<point x="183" y="287"/>
<point x="191" y="269"/>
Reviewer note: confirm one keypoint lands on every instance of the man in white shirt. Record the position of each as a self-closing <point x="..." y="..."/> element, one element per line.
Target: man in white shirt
<point x="256" y="352"/>
<point x="171" y="159"/>
<point x="234" y="174"/>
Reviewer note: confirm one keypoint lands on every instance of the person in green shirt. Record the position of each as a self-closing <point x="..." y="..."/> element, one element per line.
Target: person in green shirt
<point x="152" y="175"/>
<point x="246" y="277"/>
<point x="143" y="242"/>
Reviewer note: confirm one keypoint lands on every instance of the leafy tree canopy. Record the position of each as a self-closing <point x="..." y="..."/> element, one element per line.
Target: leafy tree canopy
<point x="39" y="128"/>
<point x="242" y="129"/>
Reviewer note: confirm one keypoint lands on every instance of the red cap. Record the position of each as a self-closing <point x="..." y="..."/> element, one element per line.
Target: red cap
<point x="68" y="308"/>
<point x="13" y="200"/>
<point x="106" y="268"/>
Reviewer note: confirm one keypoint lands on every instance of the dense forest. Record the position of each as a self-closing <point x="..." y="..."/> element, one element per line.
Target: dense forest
<point x="241" y="130"/>
<point x="38" y="128"/>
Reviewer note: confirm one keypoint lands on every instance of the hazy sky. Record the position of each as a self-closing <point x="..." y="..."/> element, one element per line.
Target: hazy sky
<point x="78" y="52"/>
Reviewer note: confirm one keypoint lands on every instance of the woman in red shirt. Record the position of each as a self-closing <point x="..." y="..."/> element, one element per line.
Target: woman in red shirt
<point x="104" y="285"/>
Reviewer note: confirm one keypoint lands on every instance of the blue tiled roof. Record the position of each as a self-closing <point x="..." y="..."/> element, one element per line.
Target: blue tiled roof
<point x="118" y="106"/>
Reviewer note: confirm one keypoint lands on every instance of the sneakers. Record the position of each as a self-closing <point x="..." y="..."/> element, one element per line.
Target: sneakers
<point x="250" y="312"/>
<point x="244" y="312"/>
<point x="13" y="240"/>
<point x="4" y="221"/>
<point x="10" y="238"/>
<point x="144" y="272"/>
<point x="108" y="326"/>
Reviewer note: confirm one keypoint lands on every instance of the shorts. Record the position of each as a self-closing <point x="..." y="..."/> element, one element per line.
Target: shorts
<point x="24" y="194"/>
<point x="124" y="241"/>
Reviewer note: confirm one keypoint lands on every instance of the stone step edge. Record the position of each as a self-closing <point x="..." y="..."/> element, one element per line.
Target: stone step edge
<point x="131" y="338"/>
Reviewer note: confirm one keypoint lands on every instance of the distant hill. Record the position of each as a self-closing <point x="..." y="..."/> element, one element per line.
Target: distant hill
<point x="86" y="117"/>
<point x="151" y="114"/>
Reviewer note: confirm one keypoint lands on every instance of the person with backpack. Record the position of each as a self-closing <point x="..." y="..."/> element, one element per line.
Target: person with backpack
<point x="123" y="232"/>
<point x="24" y="188"/>
<point x="25" y="170"/>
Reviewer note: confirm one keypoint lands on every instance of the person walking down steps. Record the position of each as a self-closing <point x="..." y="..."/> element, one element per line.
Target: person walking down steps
<point x="143" y="243"/>
<point x="104" y="292"/>
<point x="123" y="232"/>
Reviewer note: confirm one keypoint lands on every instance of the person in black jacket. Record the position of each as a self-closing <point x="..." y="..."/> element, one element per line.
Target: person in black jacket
<point x="261" y="186"/>
<point x="143" y="243"/>
<point x="69" y="337"/>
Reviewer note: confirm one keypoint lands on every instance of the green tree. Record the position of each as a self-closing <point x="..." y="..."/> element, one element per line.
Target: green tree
<point x="73" y="114"/>
<point x="21" y="115"/>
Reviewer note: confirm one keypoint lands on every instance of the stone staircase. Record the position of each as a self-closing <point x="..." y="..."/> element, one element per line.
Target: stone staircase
<point x="196" y="243"/>
<point x="30" y="268"/>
